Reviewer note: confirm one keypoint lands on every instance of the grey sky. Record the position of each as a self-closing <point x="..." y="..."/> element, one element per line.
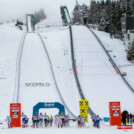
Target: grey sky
<point x="16" y="8"/>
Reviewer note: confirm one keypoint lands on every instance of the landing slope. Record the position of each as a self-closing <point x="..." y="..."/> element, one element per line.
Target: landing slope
<point x="98" y="79"/>
<point x="58" y="46"/>
<point x="35" y="68"/>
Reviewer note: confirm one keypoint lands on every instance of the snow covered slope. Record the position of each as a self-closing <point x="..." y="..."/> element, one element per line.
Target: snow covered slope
<point x="118" y="54"/>
<point x="9" y="45"/>
<point x="58" y="46"/>
<point x="35" y="68"/>
<point x="98" y="79"/>
<point x="36" y="81"/>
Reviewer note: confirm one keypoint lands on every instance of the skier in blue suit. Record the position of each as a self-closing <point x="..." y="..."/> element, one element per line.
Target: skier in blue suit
<point x="98" y="121"/>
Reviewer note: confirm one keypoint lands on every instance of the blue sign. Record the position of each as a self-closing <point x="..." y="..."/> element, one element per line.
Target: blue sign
<point x="106" y="119"/>
<point x="40" y="105"/>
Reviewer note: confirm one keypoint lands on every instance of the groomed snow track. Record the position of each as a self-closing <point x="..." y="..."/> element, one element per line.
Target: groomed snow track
<point x="123" y="78"/>
<point x="55" y="78"/>
<point x="17" y="79"/>
<point x="90" y="111"/>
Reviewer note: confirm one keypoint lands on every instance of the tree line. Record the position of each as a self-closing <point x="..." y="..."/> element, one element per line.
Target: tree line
<point x="39" y="15"/>
<point x="98" y="13"/>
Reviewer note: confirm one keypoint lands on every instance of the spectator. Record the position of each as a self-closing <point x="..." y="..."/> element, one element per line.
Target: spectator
<point x="124" y="113"/>
<point x="131" y="118"/>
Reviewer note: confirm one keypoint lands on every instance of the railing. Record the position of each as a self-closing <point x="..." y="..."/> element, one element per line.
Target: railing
<point x="123" y="78"/>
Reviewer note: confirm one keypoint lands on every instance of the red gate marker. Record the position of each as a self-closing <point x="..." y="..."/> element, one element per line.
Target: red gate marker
<point x="76" y="70"/>
<point x="115" y="70"/>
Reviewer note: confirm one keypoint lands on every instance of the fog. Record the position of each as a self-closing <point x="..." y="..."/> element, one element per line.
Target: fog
<point x="10" y="9"/>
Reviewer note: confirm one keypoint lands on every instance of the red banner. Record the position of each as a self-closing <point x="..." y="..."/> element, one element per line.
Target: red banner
<point x="15" y="114"/>
<point x="125" y="127"/>
<point x="115" y="113"/>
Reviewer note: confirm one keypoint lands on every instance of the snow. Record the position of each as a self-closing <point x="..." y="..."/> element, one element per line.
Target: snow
<point x="72" y="130"/>
<point x="35" y="68"/>
<point x="97" y="77"/>
<point x="9" y="45"/>
<point x="58" y="46"/>
<point x="118" y="55"/>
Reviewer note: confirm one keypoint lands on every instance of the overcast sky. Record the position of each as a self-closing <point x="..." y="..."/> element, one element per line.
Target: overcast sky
<point x="16" y="8"/>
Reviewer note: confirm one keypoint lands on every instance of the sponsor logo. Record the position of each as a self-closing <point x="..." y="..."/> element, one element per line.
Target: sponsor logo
<point x="37" y="84"/>
<point x="49" y="104"/>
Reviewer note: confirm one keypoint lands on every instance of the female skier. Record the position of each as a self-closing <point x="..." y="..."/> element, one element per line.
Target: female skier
<point x="8" y="119"/>
<point x="59" y="120"/>
<point x="40" y="120"/>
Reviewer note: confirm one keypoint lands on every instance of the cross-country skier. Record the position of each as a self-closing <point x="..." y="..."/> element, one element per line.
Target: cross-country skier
<point x="48" y="121"/>
<point x="8" y="119"/>
<point x="79" y="121"/>
<point x="82" y="121"/>
<point x="23" y="116"/>
<point x="59" y="120"/>
<point x="41" y="120"/>
<point x="93" y="117"/>
<point x="26" y="121"/>
<point x="67" y="120"/>
<point x="45" y="119"/>
<point x="98" y="121"/>
<point x="63" y="119"/>
<point x="55" y="120"/>
<point x="35" y="121"/>
<point x="51" y="121"/>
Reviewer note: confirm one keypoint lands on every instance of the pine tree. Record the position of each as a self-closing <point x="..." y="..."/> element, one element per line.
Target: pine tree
<point x="98" y="13"/>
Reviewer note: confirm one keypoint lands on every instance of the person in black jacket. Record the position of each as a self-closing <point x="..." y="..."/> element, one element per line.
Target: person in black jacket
<point x="124" y="113"/>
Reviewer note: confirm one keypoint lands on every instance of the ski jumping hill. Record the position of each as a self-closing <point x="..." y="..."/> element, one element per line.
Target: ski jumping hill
<point x="33" y="76"/>
<point x="99" y="81"/>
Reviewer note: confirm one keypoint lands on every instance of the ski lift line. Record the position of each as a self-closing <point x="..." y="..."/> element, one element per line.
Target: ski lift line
<point x="90" y="111"/>
<point x="17" y="77"/>
<point x="117" y="68"/>
<point x="62" y="99"/>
